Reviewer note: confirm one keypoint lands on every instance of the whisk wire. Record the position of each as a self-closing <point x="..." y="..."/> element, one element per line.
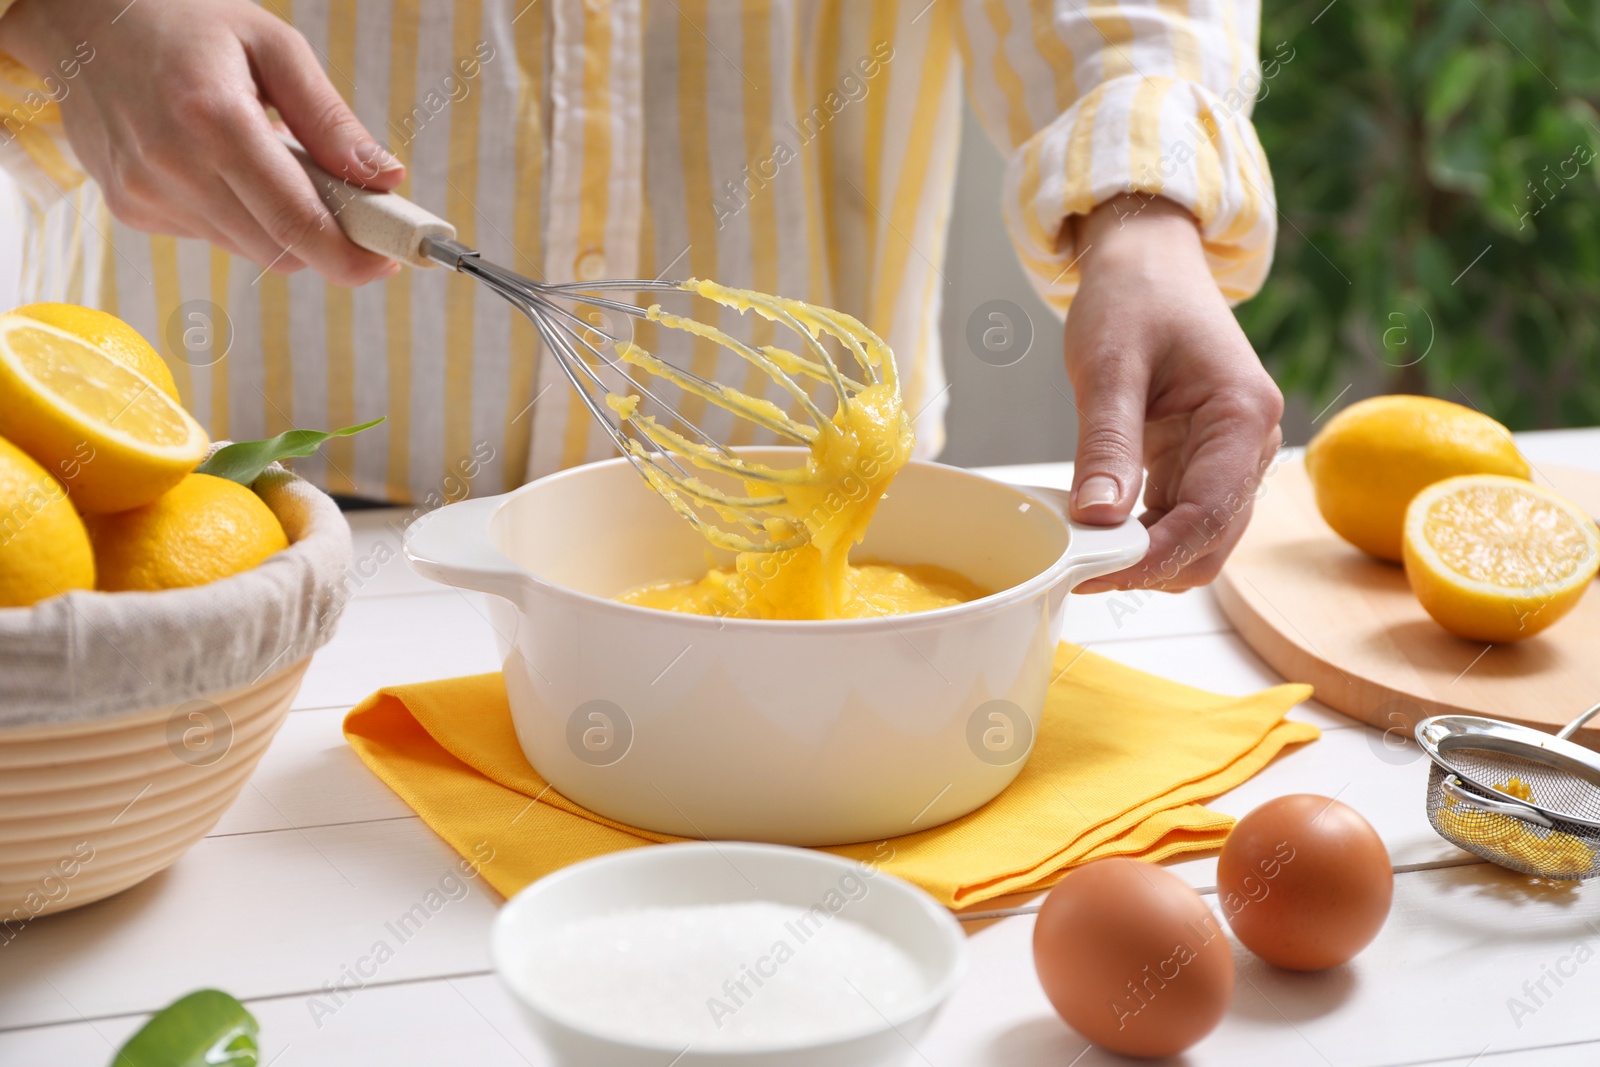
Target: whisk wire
<point x="760" y="359"/>
<point x="657" y="450"/>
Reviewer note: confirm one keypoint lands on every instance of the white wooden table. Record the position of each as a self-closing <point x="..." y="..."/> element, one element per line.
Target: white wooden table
<point x="295" y="885"/>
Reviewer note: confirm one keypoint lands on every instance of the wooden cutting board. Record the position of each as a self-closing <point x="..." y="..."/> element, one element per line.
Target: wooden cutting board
<point x="1320" y="611"/>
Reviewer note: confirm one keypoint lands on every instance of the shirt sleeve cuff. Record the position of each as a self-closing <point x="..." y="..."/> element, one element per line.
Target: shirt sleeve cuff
<point x="33" y="144"/>
<point x="1158" y="136"/>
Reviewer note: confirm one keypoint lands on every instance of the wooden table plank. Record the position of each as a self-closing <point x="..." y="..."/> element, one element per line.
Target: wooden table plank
<point x="392" y="640"/>
<point x="431" y="1023"/>
<point x="1130" y="615"/>
<point x="1575" y="448"/>
<point x="379" y="567"/>
<point x="310" y="776"/>
<point x="263" y="914"/>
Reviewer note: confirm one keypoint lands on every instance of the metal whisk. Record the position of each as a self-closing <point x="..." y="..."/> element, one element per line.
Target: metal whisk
<point x="397" y="228"/>
<point x="1524" y="799"/>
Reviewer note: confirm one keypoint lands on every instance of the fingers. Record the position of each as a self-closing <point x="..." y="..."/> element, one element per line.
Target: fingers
<point x="235" y="228"/>
<point x="280" y="197"/>
<point x="1233" y="439"/>
<point x="293" y="82"/>
<point x="215" y="236"/>
<point x="1165" y="453"/>
<point x="220" y="220"/>
<point x="1111" y="394"/>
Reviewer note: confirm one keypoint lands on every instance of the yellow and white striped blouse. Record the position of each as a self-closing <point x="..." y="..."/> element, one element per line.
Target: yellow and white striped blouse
<point x="802" y="147"/>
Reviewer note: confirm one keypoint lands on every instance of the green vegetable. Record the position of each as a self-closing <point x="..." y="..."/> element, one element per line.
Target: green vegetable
<point x="243" y="461"/>
<point x="207" y="1028"/>
<point x="1438" y="171"/>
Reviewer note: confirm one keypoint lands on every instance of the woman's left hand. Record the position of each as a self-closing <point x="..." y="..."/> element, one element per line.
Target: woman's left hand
<point x="1166" y="382"/>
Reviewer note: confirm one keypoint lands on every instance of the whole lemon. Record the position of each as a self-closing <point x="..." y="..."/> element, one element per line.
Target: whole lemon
<point x="43" y="547"/>
<point x="1375" y="455"/>
<point x="202" y="529"/>
<point x="108" y="333"/>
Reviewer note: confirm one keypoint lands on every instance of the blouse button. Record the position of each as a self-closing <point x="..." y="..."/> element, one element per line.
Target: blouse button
<point x="590" y="266"/>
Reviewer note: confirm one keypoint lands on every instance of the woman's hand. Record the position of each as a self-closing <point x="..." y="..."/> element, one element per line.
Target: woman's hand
<point x="167" y="112"/>
<point x="1165" y="381"/>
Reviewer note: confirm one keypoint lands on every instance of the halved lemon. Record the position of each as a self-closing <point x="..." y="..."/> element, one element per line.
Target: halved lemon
<point x="1497" y="559"/>
<point x="111" y="436"/>
<point x="114" y="337"/>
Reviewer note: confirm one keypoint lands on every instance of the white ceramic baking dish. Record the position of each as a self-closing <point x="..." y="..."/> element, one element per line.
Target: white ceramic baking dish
<point x="800" y="733"/>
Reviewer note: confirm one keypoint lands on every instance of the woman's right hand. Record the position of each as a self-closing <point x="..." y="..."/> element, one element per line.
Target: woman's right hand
<point x="167" y="111"/>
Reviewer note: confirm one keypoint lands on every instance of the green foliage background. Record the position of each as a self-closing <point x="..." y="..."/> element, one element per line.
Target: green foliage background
<point x="1406" y="136"/>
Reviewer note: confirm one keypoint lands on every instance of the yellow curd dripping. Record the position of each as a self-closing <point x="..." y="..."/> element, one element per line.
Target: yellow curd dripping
<point x="853" y="457"/>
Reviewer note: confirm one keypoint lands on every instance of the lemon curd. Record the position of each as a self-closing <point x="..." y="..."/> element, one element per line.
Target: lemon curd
<point x="827" y="503"/>
<point x="873" y="589"/>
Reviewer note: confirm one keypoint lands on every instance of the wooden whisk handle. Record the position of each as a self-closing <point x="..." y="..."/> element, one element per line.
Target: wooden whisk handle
<point x="385" y="223"/>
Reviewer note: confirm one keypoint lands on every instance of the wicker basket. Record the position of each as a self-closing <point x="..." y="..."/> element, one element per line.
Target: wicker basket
<point x="89" y="809"/>
<point x="129" y="722"/>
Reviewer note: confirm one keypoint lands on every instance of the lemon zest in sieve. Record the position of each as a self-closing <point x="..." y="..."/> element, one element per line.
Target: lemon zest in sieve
<point x="1560" y="854"/>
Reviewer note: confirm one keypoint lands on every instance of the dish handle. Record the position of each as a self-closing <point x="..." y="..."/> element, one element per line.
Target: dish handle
<point x="451" y="545"/>
<point x="1096" y="550"/>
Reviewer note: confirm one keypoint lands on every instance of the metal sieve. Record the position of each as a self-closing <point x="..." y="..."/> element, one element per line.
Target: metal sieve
<point x="1518" y="797"/>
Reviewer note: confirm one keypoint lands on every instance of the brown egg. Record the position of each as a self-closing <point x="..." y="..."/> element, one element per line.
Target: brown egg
<point x="1132" y="958"/>
<point x="1305" y="882"/>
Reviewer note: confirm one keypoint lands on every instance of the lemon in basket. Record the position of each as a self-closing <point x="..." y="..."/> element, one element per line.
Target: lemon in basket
<point x="108" y="333"/>
<point x="1368" y="462"/>
<point x="43" y="547"/>
<point x="202" y="529"/>
<point x="119" y="440"/>
<point x="1497" y="559"/>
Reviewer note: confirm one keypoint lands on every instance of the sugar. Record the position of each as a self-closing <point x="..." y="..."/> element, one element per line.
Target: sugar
<point x="739" y="975"/>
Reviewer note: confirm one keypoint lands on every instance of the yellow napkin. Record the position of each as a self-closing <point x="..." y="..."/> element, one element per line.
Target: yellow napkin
<point x="1121" y="764"/>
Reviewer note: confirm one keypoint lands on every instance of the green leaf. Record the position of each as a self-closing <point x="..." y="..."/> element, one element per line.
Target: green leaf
<point x="207" y="1028"/>
<point x="243" y="461"/>
<point x="1459" y="160"/>
<point x="1453" y="85"/>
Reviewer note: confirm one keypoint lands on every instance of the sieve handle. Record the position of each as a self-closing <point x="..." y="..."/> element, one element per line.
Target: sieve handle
<point x="1577" y="724"/>
<point x="1453" y="786"/>
<point x="385" y="223"/>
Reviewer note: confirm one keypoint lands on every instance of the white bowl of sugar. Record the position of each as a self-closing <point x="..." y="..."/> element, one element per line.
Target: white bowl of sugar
<point x="727" y="953"/>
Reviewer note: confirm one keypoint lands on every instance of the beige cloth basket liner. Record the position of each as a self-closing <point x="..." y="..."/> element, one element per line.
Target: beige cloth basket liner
<point x="86" y="656"/>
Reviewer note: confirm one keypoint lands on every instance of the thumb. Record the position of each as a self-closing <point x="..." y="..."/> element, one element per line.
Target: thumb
<point x="1108" y="468"/>
<point x="293" y="82"/>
